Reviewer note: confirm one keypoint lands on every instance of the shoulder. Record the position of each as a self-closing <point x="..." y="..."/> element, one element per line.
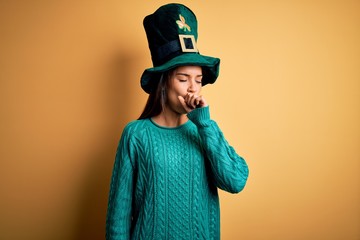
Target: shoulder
<point x="135" y="127"/>
<point x="132" y="134"/>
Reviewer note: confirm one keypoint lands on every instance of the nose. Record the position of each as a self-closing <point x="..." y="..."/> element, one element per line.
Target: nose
<point x="192" y="86"/>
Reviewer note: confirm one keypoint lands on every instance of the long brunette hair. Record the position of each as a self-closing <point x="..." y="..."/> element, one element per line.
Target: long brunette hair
<point x="157" y="98"/>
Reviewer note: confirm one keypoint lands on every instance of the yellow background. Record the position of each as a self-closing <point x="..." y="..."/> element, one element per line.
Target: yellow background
<point x="288" y="99"/>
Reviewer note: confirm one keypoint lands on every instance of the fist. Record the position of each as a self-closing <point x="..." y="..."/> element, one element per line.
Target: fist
<point x="192" y="101"/>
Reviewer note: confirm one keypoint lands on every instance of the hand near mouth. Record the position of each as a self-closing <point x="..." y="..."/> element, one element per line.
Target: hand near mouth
<point x="192" y="101"/>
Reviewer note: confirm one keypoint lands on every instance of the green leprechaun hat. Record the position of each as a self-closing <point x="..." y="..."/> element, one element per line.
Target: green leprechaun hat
<point x="172" y="34"/>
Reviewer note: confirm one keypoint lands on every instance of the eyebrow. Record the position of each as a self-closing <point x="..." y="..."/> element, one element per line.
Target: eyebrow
<point x="188" y="75"/>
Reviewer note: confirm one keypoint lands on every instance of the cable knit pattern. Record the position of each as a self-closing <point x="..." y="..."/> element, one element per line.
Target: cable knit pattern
<point x="164" y="182"/>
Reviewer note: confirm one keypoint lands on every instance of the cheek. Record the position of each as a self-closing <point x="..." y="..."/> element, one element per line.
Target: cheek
<point x="181" y="92"/>
<point x="173" y="97"/>
<point x="178" y="90"/>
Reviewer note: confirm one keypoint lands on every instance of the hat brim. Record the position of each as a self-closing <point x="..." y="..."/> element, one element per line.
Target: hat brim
<point x="210" y="65"/>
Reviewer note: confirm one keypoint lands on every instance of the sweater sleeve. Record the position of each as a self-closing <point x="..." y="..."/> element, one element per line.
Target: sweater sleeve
<point x="230" y="171"/>
<point x="118" y="220"/>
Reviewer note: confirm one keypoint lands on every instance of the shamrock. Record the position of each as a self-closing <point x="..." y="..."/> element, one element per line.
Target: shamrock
<point x="182" y="24"/>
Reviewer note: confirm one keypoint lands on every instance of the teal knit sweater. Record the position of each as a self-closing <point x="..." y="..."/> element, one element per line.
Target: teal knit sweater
<point x="164" y="182"/>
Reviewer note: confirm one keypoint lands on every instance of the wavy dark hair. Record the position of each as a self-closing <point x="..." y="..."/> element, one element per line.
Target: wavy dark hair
<point x="157" y="98"/>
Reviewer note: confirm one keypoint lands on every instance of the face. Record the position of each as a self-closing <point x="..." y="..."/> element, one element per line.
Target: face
<point x="183" y="80"/>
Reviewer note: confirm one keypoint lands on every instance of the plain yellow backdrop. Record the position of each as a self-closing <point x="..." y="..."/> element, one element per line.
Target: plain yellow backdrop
<point x="288" y="100"/>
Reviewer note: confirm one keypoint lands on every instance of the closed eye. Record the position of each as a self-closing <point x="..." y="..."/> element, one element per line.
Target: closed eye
<point x="198" y="80"/>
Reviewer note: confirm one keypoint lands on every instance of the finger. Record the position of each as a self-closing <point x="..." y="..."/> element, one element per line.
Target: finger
<point x="187" y="98"/>
<point x="192" y="100"/>
<point x="197" y="101"/>
<point x="184" y="104"/>
<point x="200" y="102"/>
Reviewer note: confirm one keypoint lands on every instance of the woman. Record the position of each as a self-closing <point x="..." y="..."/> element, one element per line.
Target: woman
<point x="170" y="161"/>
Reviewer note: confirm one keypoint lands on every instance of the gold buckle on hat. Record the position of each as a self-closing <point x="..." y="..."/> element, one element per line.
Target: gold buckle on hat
<point x="184" y="46"/>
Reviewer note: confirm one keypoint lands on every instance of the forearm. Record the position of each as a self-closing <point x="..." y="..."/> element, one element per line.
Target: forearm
<point x="230" y="171"/>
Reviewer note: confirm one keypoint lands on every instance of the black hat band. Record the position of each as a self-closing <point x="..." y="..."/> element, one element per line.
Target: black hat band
<point x="185" y="43"/>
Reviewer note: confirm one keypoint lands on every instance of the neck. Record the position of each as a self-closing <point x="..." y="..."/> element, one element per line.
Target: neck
<point x="170" y="119"/>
